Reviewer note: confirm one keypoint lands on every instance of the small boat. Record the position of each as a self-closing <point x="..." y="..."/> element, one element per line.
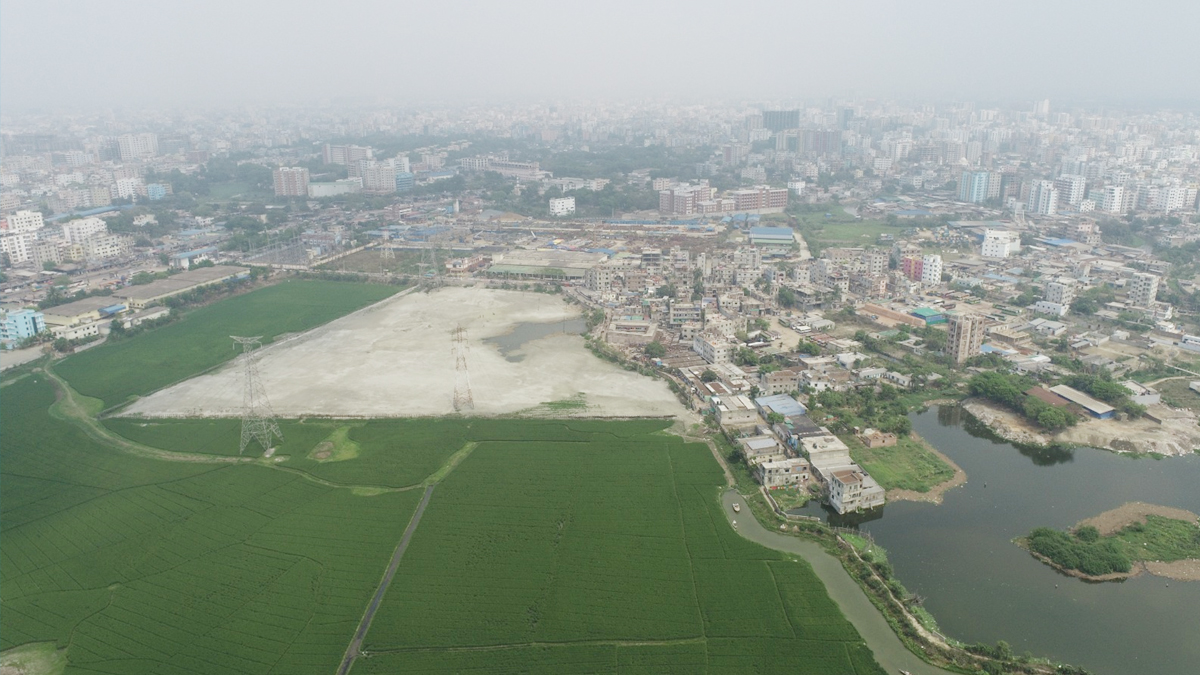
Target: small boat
<point x="737" y="508"/>
<point x="905" y="672"/>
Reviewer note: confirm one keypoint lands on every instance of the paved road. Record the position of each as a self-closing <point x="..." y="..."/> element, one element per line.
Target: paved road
<point x="889" y="651"/>
<point x="365" y="624"/>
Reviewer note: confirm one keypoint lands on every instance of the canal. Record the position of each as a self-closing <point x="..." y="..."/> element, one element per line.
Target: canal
<point x="982" y="588"/>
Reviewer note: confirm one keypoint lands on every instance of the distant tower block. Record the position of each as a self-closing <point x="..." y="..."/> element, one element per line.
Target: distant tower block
<point x="258" y="420"/>
<point x="463" y="399"/>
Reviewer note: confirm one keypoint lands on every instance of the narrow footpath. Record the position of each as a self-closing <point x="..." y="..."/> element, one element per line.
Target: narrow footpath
<point x="356" y="644"/>
<point x="891" y="654"/>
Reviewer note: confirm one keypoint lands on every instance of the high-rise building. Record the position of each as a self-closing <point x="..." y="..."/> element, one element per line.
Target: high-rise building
<point x="291" y="181"/>
<point x="76" y="231"/>
<point x="1043" y="198"/>
<point x="405" y="181"/>
<point x="931" y="270"/>
<point x="1143" y="289"/>
<point x="1071" y="190"/>
<point x="346" y="154"/>
<point x="377" y="177"/>
<point x="973" y="187"/>
<point x="562" y="206"/>
<point x="1113" y="200"/>
<point x="133" y="147"/>
<point x="964" y="336"/>
<point x="20" y="324"/>
<point x="778" y="120"/>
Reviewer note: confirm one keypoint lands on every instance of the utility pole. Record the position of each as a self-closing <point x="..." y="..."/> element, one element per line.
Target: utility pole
<point x="258" y="420"/>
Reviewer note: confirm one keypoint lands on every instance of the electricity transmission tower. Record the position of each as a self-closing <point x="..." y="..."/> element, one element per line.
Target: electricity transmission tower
<point x="463" y="400"/>
<point x="385" y="250"/>
<point x="432" y="262"/>
<point x="258" y="420"/>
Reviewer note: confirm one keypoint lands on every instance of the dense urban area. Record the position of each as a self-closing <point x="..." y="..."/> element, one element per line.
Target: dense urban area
<point x="802" y="282"/>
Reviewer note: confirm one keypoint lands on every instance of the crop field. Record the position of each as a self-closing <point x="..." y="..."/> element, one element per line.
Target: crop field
<point x="143" y="566"/>
<point x="599" y="553"/>
<point x="114" y="372"/>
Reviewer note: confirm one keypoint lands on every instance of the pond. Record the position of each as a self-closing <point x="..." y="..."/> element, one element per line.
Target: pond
<point x="982" y="588"/>
<point x="509" y="344"/>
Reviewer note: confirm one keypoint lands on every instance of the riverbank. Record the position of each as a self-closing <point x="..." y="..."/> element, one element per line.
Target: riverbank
<point x="1175" y="433"/>
<point x="1148" y="538"/>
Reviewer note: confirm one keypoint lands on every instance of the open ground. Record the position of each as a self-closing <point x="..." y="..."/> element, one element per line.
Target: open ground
<point x="397" y="359"/>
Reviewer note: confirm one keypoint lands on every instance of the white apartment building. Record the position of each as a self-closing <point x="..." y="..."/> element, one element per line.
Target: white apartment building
<point x="1000" y="243"/>
<point x="931" y="270"/>
<point x="76" y="231"/>
<point x="126" y="188"/>
<point x="1143" y="289"/>
<point x="1113" y="200"/>
<point x="875" y="262"/>
<point x="854" y="490"/>
<point x="16" y="246"/>
<point x="291" y="181"/>
<point x="782" y="473"/>
<point x="712" y="348"/>
<point x="1051" y="308"/>
<point x="133" y="147"/>
<point x="1043" y="199"/>
<point x="1061" y="291"/>
<point x="1071" y="189"/>
<point x="25" y="221"/>
<point x="100" y="247"/>
<point x="562" y="206"/>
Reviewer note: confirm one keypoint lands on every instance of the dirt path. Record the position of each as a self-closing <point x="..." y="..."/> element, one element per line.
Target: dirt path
<point x="355" y="647"/>
<point x="1113" y="521"/>
<point x="936" y="493"/>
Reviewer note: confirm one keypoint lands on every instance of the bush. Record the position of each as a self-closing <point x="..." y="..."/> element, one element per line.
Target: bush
<point x="1093" y="557"/>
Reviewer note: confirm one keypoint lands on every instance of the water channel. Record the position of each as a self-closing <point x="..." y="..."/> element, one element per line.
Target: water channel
<point x="983" y="588"/>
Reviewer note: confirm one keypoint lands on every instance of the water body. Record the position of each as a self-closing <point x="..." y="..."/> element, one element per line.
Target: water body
<point x="510" y="344"/>
<point x="983" y="588"/>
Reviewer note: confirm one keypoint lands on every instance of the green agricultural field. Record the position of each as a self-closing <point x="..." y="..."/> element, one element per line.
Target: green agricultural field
<point x="136" y="565"/>
<point x="115" y="372"/>
<point x="907" y="465"/>
<point x="601" y="553"/>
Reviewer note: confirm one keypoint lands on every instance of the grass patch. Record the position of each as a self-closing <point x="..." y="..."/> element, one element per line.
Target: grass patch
<point x="907" y="465"/>
<point x="116" y="372"/>
<point x="791" y="498"/>
<point x="1159" y="538"/>
<point x="336" y="448"/>
<point x="1176" y="393"/>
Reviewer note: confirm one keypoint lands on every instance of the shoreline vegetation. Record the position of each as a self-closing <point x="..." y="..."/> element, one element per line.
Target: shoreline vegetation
<point x="1127" y="541"/>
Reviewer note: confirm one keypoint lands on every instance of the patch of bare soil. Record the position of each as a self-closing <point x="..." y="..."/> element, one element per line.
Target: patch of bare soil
<point x="1183" y="570"/>
<point x="1005" y="423"/>
<point x="1178" y="434"/>
<point x="323" y="450"/>
<point x="1113" y="521"/>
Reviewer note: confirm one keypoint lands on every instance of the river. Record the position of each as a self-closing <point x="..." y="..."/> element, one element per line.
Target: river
<point x="982" y="588"/>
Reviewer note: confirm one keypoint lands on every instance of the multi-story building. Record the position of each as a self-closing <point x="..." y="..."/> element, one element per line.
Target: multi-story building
<point x="931" y="270"/>
<point x="1071" y="190"/>
<point x="964" y="336"/>
<point x="713" y="348"/>
<point x="1000" y="243"/>
<point x="405" y="181"/>
<point x="562" y="206"/>
<point x="852" y="489"/>
<point x="20" y="325"/>
<point x="25" y="221"/>
<point x="291" y="181"/>
<point x="101" y="247"/>
<point x="1143" y="289"/>
<point x="1060" y="292"/>
<point x="75" y="231"/>
<point x="913" y="267"/>
<point x="157" y="191"/>
<point x="133" y="147"/>
<point x="42" y="251"/>
<point x="16" y="247"/>
<point x="875" y="262"/>
<point x="973" y="187"/>
<point x="346" y="154"/>
<point x="377" y="177"/>
<point x="126" y="188"/>
<point x="1043" y="199"/>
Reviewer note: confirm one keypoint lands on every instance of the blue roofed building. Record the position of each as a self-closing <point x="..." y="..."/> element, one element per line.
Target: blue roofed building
<point x="771" y="236"/>
<point x="780" y="403"/>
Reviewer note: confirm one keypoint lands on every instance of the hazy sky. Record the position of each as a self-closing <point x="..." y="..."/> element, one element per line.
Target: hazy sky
<point x="85" y="53"/>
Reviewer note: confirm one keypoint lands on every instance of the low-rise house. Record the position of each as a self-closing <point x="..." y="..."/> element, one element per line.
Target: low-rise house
<point x="759" y="449"/>
<point x="734" y="410"/>
<point x="874" y="438"/>
<point x="1141" y="394"/>
<point x="792" y="472"/>
<point x="853" y="489"/>
<point x="779" y="381"/>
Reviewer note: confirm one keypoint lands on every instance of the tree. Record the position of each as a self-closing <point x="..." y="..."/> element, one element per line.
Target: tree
<point x="775" y="418"/>
<point x="1084" y="306"/>
<point x="656" y="350"/>
<point x="708" y="376"/>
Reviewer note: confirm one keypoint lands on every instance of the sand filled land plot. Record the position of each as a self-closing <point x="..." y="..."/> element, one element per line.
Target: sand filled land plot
<point x="397" y="358"/>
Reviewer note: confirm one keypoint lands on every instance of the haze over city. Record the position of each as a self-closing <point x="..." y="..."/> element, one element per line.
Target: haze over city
<point x="134" y="53"/>
<point x="610" y="338"/>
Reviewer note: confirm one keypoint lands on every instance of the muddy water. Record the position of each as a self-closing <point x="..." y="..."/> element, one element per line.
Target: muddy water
<point x="510" y="344"/>
<point x="982" y="588"/>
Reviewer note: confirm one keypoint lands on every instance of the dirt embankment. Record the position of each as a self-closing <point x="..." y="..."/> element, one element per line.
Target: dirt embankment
<point x="936" y="493"/>
<point x="1115" y="520"/>
<point x="1005" y="423"/>
<point x="1178" y="433"/>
